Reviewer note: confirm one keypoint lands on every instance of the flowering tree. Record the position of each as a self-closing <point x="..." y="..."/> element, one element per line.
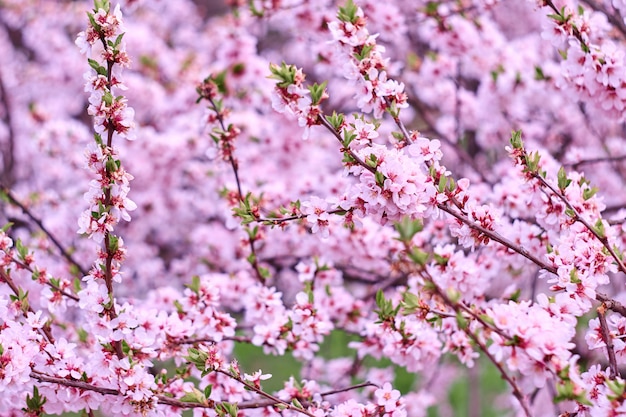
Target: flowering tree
<point x="441" y="181"/>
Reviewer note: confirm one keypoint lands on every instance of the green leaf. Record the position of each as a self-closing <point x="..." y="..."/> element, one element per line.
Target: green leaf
<point x="443" y="181"/>
<point x="22" y="250"/>
<point x="118" y="40"/>
<point x="410" y="302"/>
<point x="255" y="12"/>
<point x="516" y="140"/>
<point x="408" y="228"/>
<point x="532" y="161"/>
<point x="599" y="228"/>
<point x="97" y="67"/>
<point x="515" y="296"/>
<point x="35" y="403"/>
<point x="76" y="284"/>
<point x="101" y="4"/>
<point x="617" y="387"/>
<point x="264" y="272"/>
<point x="454" y="295"/>
<point x="371" y="161"/>
<point x="284" y="74"/>
<point x="348" y="13"/>
<point x="364" y="52"/>
<point x="336" y="120"/>
<point x="317" y="92"/>
<point x="563" y="181"/>
<point x="195" y="396"/>
<point x="107" y="98"/>
<point x="589" y="192"/>
<point x="195" y="284"/>
<point x="461" y="321"/>
<point x="539" y="75"/>
<point x="82" y="335"/>
<point x="419" y="256"/>
<point x="198" y="358"/>
<point x="380" y="178"/>
<point x="114" y="242"/>
<point x="441" y="260"/>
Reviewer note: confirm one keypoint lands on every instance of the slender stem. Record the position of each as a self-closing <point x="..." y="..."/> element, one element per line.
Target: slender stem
<point x="110" y="253"/>
<point x="498" y="238"/>
<point x="516" y="390"/>
<point x="269" y="403"/>
<point x="235" y="168"/>
<point x="48" y="283"/>
<point x="68" y="256"/>
<point x="575" y="165"/>
<point x="162" y="399"/>
<point x="45" y="330"/>
<point x="511" y="381"/>
<point x="193" y="341"/>
<point x="575" y="32"/>
<point x="262" y="393"/>
<point x="327" y="125"/>
<point x="582" y="220"/>
<point x="608" y="340"/>
<point x="611" y="304"/>
<point x="278" y="221"/>
<point x="231" y="158"/>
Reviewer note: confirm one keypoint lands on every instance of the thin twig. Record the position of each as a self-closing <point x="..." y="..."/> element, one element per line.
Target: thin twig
<point x="68" y="256"/>
<point x="270" y="397"/>
<point x="577" y="217"/>
<point x="606" y="336"/>
<point x="235" y="169"/>
<point x="45" y="329"/>
<point x="498" y="238"/>
<point x="327" y="125"/>
<point x="48" y="283"/>
<point x="511" y="381"/>
<point x="575" y="165"/>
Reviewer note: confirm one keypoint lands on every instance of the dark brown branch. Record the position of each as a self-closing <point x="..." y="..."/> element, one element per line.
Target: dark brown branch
<point x="498" y="238"/>
<point x="606" y="336"/>
<point x="575" y="165"/>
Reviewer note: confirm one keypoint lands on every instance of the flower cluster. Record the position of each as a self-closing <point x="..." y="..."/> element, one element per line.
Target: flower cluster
<point x="365" y="65"/>
<point x="368" y="255"/>
<point x="593" y="67"/>
<point x="293" y="97"/>
<point x="299" y="329"/>
<point x="395" y="183"/>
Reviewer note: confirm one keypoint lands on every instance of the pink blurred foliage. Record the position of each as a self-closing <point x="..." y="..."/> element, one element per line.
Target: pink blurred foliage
<point x="176" y="182"/>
